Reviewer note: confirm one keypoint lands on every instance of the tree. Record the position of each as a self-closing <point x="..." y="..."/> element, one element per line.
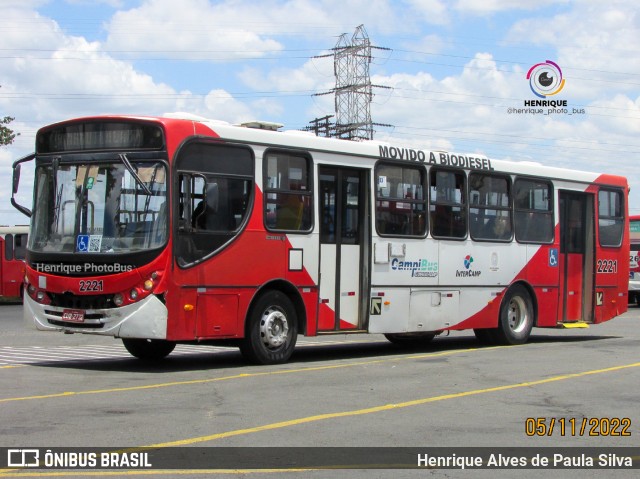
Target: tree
<point x="7" y="135"/>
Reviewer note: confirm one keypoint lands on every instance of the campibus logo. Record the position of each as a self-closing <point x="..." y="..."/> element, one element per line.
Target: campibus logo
<point x="467" y="261"/>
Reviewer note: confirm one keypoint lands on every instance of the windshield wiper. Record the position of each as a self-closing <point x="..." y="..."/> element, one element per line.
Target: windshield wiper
<point x="127" y="163"/>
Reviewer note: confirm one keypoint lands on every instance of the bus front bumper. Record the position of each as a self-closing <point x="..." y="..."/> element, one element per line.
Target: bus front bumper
<point x="144" y="319"/>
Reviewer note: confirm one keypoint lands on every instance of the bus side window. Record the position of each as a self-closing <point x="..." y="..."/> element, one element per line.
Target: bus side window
<point x="610" y="217"/>
<point x="490" y="207"/>
<point x="288" y="195"/>
<point x="400" y="201"/>
<point x="8" y="247"/>
<point x="448" y="204"/>
<point x="20" y="246"/>
<point x="533" y="211"/>
<point x="216" y="187"/>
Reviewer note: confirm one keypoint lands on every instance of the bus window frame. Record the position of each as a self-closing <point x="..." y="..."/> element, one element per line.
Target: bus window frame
<point x="464" y="204"/>
<point x="424" y="174"/>
<point x="509" y="208"/>
<point x="308" y="193"/>
<point x="8" y="247"/>
<point x="180" y="171"/>
<point x="624" y="216"/>
<point x="20" y="252"/>
<point x="551" y="210"/>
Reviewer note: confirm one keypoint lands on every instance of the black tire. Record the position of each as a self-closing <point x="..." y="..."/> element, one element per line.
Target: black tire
<point x="410" y="339"/>
<point x="484" y="336"/>
<point x="272" y="330"/>
<point x="148" y="349"/>
<point x="516" y="317"/>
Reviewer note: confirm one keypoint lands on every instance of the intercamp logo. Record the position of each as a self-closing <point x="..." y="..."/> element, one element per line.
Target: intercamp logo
<point x="468" y="272"/>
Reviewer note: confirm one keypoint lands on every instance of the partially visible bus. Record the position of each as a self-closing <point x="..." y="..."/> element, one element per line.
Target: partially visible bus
<point x="185" y="230"/>
<point x="13" y="246"/>
<point x="634" y="259"/>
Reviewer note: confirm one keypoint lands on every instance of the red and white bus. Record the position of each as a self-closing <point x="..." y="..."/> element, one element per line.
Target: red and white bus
<point x="185" y="230"/>
<point x="634" y="259"/>
<point x="13" y="246"/>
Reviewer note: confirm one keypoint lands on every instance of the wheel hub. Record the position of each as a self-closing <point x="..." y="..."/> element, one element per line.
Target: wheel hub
<point x="274" y="328"/>
<point x="517" y="315"/>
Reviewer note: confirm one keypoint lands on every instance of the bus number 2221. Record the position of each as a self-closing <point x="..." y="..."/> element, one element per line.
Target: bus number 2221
<point x="90" y="286"/>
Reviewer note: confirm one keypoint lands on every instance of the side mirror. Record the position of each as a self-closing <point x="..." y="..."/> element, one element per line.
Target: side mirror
<point x="16" y="178"/>
<point x="16" y="182"/>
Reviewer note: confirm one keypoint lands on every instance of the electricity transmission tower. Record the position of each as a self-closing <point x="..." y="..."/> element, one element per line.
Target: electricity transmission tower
<point x="353" y="91"/>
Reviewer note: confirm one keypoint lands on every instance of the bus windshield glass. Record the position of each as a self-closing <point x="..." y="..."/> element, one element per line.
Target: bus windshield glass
<point x="106" y="208"/>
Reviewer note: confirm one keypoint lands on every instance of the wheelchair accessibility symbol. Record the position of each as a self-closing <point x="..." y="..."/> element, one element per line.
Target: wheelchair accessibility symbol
<point x="553" y="257"/>
<point x="82" y="243"/>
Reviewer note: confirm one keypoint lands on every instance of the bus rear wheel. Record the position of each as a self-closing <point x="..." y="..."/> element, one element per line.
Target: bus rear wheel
<point x="148" y="349"/>
<point x="516" y="317"/>
<point x="272" y="330"/>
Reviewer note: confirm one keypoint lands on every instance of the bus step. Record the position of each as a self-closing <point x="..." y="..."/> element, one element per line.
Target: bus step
<point x="574" y="325"/>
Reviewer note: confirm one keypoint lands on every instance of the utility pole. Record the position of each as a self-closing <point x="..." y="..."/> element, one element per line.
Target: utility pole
<point x="353" y="91"/>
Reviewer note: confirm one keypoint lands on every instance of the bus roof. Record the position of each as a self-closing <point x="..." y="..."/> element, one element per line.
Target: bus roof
<point x="270" y="137"/>
<point x="18" y="229"/>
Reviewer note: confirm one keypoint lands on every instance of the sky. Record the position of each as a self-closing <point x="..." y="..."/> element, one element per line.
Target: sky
<point x="454" y="72"/>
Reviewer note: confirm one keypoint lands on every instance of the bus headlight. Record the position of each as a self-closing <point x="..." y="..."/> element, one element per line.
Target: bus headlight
<point x="148" y="284"/>
<point x="133" y="294"/>
<point x="118" y="299"/>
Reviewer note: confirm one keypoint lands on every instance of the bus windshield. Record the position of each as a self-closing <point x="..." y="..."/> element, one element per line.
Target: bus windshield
<point x="107" y="208"/>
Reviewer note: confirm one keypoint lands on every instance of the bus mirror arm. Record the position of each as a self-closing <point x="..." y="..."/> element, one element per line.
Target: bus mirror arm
<point x="16" y="182"/>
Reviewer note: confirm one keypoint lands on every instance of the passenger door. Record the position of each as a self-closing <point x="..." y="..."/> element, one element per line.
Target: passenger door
<point x="577" y="243"/>
<point x="344" y="248"/>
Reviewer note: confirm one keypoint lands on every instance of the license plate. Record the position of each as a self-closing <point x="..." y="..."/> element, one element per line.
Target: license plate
<point x="73" y="315"/>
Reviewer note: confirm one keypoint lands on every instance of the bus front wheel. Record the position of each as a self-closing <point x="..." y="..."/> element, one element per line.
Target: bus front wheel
<point x="516" y="317"/>
<point x="148" y="349"/>
<point x="272" y="330"/>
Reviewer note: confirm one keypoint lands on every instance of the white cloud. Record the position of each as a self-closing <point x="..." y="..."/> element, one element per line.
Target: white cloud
<point x="314" y="75"/>
<point x="221" y="105"/>
<point x="196" y="30"/>
<point x="431" y="11"/>
<point x="497" y="6"/>
<point x="596" y="44"/>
